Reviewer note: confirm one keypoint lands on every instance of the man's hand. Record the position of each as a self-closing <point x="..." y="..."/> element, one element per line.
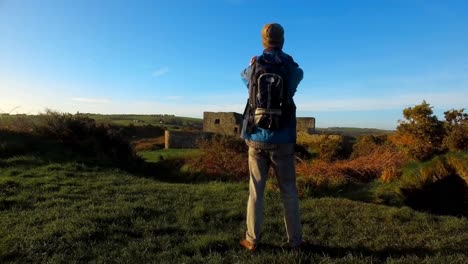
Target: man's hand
<point x="252" y="60"/>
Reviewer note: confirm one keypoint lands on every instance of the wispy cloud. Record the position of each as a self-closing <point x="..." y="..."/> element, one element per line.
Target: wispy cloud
<point x="91" y="100"/>
<point x="161" y="71"/>
<point x="445" y="100"/>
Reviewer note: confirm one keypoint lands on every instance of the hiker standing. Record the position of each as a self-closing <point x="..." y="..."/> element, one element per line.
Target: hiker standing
<point x="269" y="130"/>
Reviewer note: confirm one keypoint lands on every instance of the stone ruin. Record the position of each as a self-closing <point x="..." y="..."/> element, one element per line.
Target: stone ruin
<point x="305" y="124"/>
<point x="225" y="123"/>
<point x="230" y="123"/>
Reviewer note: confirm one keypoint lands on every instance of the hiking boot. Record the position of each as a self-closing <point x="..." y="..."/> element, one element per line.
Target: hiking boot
<point x="246" y="244"/>
<point x="303" y="245"/>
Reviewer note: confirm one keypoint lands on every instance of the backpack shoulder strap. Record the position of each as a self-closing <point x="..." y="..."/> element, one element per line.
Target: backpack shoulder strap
<point x="253" y="86"/>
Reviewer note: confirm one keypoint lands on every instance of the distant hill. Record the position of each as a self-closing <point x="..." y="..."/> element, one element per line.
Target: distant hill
<point x="179" y="122"/>
<point x="352" y="131"/>
<point x="168" y="121"/>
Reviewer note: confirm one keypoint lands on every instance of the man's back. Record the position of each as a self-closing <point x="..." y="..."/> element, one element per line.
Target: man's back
<point x="272" y="146"/>
<point x="294" y="77"/>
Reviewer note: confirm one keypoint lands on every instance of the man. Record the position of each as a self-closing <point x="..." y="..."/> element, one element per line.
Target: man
<point x="271" y="144"/>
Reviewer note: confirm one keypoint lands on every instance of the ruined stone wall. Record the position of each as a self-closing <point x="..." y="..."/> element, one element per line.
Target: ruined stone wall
<point x="227" y="123"/>
<point x="184" y="139"/>
<point x="306" y="124"/>
<point x="230" y="123"/>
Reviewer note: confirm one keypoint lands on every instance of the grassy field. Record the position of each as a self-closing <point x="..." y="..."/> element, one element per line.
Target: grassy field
<point x="157" y="155"/>
<point x="71" y="212"/>
<point x="168" y="121"/>
<point x="164" y="120"/>
<point x="352" y="131"/>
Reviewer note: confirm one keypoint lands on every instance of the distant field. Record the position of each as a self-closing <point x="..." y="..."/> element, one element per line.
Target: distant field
<point x="166" y="121"/>
<point x="352" y="131"/>
<point x="178" y="122"/>
<point x="162" y="120"/>
<point x="70" y="212"/>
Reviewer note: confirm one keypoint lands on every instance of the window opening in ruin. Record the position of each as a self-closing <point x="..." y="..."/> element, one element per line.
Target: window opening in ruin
<point x="235" y="130"/>
<point x="217" y="121"/>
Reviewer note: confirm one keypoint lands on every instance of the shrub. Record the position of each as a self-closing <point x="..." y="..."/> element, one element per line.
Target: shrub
<point x="456" y="128"/>
<point x="81" y="136"/>
<point x="17" y="123"/>
<point x="223" y="157"/>
<point x="12" y="144"/>
<point x="317" y="176"/>
<point x="421" y="134"/>
<point x="383" y="161"/>
<point x="366" y="144"/>
<point x="334" y="147"/>
<point x="149" y="144"/>
<point x="330" y="149"/>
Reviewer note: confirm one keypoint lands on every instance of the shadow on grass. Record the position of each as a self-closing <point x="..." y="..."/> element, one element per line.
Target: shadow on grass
<point x="43" y="151"/>
<point x="340" y="252"/>
<point x="448" y="196"/>
<point x="174" y="171"/>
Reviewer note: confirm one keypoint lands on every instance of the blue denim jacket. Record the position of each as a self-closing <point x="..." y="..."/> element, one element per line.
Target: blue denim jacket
<point x="285" y="135"/>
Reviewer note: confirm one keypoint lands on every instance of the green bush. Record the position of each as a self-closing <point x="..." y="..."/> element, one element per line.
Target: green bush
<point x="420" y="134"/>
<point x="63" y="134"/>
<point x="456" y="128"/>
<point x="334" y="147"/>
<point x="366" y="144"/>
<point x="223" y="157"/>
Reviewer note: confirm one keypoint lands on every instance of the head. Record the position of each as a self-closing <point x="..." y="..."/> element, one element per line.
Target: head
<point x="273" y="36"/>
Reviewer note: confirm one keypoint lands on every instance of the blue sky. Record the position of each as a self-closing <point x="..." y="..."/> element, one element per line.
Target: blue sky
<point x="364" y="61"/>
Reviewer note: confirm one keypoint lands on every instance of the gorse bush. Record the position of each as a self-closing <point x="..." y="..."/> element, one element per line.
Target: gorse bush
<point x="422" y="136"/>
<point x="331" y="149"/>
<point x="456" y="128"/>
<point x="366" y="144"/>
<point x="75" y="135"/>
<point x="223" y="157"/>
<point x="334" y="147"/>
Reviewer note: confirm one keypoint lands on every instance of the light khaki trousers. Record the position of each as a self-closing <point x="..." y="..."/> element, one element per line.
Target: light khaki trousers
<point x="281" y="158"/>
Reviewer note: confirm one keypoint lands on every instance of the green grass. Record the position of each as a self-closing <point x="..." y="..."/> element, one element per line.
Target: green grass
<point x="156" y="155"/>
<point x="353" y="131"/>
<point x="138" y="120"/>
<point x="169" y="121"/>
<point x="72" y="212"/>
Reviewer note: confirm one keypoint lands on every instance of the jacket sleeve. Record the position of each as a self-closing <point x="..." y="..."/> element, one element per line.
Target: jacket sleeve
<point x="296" y="77"/>
<point x="245" y="75"/>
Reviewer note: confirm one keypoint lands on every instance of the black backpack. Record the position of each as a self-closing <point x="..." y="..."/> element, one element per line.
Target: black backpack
<point x="270" y="105"/>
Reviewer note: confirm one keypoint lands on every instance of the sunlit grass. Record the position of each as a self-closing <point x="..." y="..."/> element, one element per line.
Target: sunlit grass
<point x="72" y="212"/>
<point x="157" y="155"/>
